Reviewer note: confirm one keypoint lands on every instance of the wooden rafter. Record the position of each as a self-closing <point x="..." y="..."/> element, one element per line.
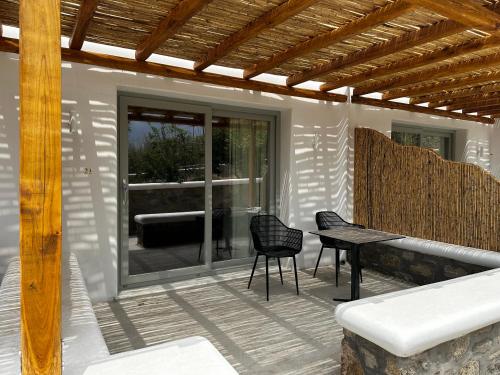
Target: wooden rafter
<point x="268" y="20"/>
<point x="448" y="70"/>
<point x="454" y="104"/>
<point x="466" y="12"/>
<point x="376" y="18"/>
<point x="492" y="113"/>
<point x="443" y="86"/>
<point x="408" y="40"/>
<point x="115" y="62"/>
<point x="82" y="23"/>
<point x="40" y="189"/>
<point x="418" y="109"/>
<point x="169" y="26"/>
<point x="485" y="108"/>
<point x="425" y="59"/>
<point x="460" y="93"/>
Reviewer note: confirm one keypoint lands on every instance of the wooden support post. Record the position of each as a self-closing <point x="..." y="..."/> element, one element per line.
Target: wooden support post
<point x="40" y="186"/>
<point x="252" y="154"/>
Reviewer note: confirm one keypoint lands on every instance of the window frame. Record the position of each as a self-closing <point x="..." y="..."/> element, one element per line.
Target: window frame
<point x="423" y="131"/>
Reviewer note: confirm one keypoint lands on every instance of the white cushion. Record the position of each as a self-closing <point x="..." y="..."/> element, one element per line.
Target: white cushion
<point x="190" y="356"/>
<point x="167" y="217"/>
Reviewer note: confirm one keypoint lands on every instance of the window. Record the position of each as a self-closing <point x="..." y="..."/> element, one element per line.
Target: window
<point x="441" y="141"/>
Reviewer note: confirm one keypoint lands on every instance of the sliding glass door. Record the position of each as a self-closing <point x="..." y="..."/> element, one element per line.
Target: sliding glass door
<point x="191" y="178"/>
<point x="241" y="178"/>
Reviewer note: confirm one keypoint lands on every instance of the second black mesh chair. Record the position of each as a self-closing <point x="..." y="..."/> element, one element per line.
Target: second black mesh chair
<point x="326" y="220"/>
<point x="273" y="239"/>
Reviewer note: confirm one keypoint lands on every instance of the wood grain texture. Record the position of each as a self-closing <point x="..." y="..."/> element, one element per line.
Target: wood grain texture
<point x="467" y="12"/>
<point x="40" y="186"/>
<point x="269" y="19"/>
<point x="425" y="59"/>
<point x="169" y="26"/>
<point x="418" y="109"/>
<point x="115" y="62"/>
<point x="411" y="39"/>
<point x="377" y="17"/>
<point x="82" y="23"/>
<point x="413" y="191"/>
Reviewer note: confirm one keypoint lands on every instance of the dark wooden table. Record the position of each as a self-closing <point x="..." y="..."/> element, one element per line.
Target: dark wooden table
<point x="356" y="237"/>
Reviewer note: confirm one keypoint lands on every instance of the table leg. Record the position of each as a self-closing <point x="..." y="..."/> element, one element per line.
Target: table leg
<point x="354" y="275"/>
<point x="355" y="272"/>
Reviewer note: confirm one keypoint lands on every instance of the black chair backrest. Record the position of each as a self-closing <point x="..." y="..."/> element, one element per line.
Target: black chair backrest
<point x="328" y="219"/>
<point x="268" y="231"/>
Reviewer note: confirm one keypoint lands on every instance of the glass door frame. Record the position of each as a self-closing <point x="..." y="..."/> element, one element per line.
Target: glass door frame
<point x="126" y="98"/>
<point x="124" y="101"/>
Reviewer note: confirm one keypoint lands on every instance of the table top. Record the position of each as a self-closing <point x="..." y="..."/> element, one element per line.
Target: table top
<point x="356" y="235"/>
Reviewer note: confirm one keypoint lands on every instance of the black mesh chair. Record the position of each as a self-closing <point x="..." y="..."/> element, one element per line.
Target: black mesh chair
<point x="326" y="220"/>
<point x="273" y="239"/>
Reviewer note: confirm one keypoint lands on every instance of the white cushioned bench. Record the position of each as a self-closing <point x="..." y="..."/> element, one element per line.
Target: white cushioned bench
<point x="82" y="339"/>
<point x="84" y="348"/>
<point x="412" y="321"/>
<point x="190" y="356"/>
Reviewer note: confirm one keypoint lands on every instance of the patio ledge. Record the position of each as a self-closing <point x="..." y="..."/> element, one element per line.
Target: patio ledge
<point x="412" y="321"/>
<point x="464" y="254"/>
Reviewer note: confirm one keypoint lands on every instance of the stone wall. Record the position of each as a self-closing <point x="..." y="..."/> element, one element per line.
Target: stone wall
<point x="477" y="353"/>
<point x="412" y="266"/>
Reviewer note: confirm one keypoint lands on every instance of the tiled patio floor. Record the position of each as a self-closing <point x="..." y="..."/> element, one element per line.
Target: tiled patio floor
<point x="289" y="335"/>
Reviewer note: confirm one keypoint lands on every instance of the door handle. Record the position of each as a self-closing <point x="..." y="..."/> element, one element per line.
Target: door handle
<point x="125" y="191"/>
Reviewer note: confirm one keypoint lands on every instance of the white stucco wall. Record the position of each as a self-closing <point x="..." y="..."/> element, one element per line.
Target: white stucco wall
<point x="315" y="160"/>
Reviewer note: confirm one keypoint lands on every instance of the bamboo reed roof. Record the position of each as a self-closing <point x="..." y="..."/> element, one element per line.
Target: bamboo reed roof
<point x="401" y="48"/>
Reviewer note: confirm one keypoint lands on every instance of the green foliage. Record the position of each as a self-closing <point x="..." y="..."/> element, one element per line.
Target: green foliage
<point x="169" y="153"/>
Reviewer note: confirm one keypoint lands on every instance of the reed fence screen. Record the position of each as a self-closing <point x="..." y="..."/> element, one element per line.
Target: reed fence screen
<point x="413" y="191"/>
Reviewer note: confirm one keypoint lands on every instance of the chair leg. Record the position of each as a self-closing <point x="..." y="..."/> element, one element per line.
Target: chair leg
<point x="267" y="277"/>
<point x="199" y="251"/>
<point x="281" y="275"/>
<point x="296" y="278"/>
<point x="337" y="266"/>
<point x="319" y="258"/>
<point x="360" y="275"/>
<point x="253" y="270"/>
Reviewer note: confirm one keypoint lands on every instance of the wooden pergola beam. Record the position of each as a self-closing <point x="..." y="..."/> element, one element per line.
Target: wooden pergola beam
<point x="115" y="62"/>
<point x="455" y="104"/>
<point x="376" y="18"/>
<point x="40" y="185"/>
<point x="442" y="86"/>
<point x="82" y="23"/>
<point x="268" y="20"/>
<point x="408" y="40"/>
<point x="485" y="108"/>
<point x="425" y="59"/>
<point x="419" y="109"/>
<point x="492" y="113"/>
<point x="456" y="94"/>
<point x="169" y="26"/>
<point x="466" y="12"/>
<point x="442" y="71"/>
